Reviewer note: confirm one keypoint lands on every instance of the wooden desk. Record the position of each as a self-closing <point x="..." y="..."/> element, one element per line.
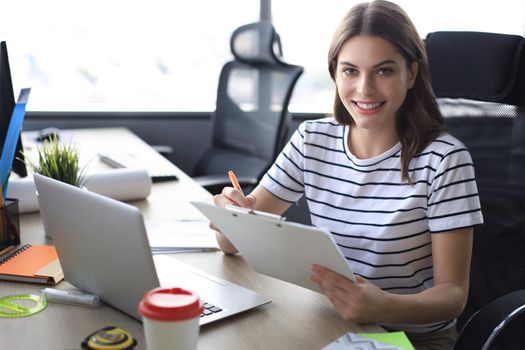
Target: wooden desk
<point x="296" y="319"/>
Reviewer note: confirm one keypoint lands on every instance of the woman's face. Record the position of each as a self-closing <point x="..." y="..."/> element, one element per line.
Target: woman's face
<point x="372" y="81"/>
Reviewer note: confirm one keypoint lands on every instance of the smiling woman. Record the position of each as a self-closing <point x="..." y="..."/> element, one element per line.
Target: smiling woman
<point x="396" y="191"/>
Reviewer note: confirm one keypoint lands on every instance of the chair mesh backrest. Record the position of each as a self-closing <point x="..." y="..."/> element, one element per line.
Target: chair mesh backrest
<point x="495" y="136"/>
<point x="479" y="79"/>
<point x="254" y="92"/>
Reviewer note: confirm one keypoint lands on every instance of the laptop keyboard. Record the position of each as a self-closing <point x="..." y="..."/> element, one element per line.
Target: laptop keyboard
<point x="210" y="309"/>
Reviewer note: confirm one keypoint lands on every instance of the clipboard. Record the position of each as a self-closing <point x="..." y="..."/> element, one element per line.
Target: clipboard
<point x="275" y="247"/>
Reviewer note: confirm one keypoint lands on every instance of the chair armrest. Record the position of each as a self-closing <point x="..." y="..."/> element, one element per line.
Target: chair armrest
<point x="215" y="183"/>
<point x="482" y="328"/>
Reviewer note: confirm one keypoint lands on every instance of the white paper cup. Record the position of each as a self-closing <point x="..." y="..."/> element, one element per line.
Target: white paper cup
<point x="171" y="318"/>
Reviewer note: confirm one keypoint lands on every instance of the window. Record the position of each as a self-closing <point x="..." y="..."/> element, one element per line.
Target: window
<point x="121" y="55"/>
<point x="165" y="55"/>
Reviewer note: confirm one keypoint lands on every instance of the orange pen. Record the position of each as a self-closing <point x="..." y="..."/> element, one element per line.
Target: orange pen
<point x="234" y="181"/>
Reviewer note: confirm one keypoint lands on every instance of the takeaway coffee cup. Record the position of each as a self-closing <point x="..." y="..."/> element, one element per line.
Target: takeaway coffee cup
<point x="171" y="318"/>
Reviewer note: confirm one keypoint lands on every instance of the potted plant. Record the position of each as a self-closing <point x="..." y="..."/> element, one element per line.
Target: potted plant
<point x="59" y="161"/>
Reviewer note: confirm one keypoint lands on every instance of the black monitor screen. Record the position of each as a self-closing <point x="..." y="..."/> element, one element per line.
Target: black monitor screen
<point x="7" y="104"/>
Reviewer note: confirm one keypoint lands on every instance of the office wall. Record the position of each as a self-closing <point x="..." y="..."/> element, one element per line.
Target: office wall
<point x="189" y="134"/>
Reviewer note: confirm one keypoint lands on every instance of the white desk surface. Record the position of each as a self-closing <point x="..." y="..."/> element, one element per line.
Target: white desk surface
<point x="296" y="319"/>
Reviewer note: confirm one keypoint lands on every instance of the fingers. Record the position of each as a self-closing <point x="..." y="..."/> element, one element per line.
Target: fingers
<point x="251" y="199"/>
<point x="232" y="196"/>
<point x="328" y="279"/>
<point x="339" y="290"/>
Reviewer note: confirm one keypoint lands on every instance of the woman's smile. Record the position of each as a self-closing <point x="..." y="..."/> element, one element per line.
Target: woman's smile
<point x="368" y="108"/>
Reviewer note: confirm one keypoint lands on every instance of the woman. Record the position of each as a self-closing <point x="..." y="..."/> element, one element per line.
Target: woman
<point x="395" y="190"/>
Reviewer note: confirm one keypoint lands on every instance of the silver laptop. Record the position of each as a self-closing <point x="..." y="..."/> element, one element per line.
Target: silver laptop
<point x="103" y="249"/>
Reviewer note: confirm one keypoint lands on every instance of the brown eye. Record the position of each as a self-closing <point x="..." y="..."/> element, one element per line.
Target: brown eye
<point x="385" y="71"/>
<point x="350" y="71"/>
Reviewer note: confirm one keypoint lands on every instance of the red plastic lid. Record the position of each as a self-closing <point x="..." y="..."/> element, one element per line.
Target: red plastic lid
<point x="170" y="304"/>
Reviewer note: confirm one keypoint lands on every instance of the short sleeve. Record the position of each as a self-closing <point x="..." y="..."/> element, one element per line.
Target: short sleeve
<point x="453" y="201"/>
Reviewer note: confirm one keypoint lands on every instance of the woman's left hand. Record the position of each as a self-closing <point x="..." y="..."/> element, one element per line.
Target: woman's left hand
<point x="359" y="302"/>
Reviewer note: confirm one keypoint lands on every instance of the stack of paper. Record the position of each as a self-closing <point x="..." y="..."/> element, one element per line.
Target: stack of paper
<point x="178" y="236"/>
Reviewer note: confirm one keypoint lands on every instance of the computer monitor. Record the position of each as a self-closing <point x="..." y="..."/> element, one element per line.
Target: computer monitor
<point x="7" y="104"/>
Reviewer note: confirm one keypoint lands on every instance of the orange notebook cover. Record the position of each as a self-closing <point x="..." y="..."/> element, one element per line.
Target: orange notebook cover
<point x="32" y="263"/>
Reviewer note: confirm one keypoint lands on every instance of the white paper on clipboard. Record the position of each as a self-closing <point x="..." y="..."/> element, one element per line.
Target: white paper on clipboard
<point x="277" y="248"/>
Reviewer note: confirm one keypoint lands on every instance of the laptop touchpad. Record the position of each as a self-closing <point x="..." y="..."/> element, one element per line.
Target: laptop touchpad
<point x="188" y="279"/>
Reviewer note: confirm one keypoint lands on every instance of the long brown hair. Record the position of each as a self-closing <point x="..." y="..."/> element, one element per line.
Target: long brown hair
<point x="418" y="120"/>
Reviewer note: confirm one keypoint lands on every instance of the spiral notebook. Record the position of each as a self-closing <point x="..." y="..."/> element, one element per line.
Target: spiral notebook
<point x="32" y="263"/>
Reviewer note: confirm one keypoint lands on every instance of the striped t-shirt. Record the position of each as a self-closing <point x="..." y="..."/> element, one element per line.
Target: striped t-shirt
<point x="381" y="224"/>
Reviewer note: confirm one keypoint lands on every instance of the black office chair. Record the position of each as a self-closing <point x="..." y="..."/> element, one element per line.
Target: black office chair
<point x="492" y="326"/>
<point x="251" y="119"/>
<point x="479" y="79"/>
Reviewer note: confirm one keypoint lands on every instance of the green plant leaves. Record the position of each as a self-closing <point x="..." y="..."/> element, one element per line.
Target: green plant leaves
<point x="58" y="161"/>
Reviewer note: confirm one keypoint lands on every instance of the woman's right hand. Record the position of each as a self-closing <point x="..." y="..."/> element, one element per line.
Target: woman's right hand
<point x="232" y="196"/>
